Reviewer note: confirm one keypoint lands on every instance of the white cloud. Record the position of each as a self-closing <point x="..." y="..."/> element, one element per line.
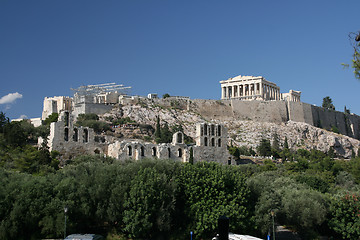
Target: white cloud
<point x="23" y="117"/>
<point x="10" y="98"/>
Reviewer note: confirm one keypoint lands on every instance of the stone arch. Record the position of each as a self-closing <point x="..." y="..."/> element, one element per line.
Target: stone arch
<point x="180" y="152"/>
<point x="205" y="129"/>
<point x="129" y="151"/>
<point x="142" y="151"/>
<point x="205" y="141"/>
<point x="213" y="142"/>
<point x="219" y="142"/>
<point x="153" y="151"/>
<point x="67" y="118"/>
<point x="66" y="134"/>
<point x="179" y="137"/>
<point x="86" y="135"/>
<point x="212" y="129"/>
<point x="76" y="135"/>
<point x="97" y="151"/>
<point x="219" y="130"/>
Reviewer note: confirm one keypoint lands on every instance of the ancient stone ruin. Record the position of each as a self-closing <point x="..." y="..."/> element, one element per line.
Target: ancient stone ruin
<point x="243" y="98"/>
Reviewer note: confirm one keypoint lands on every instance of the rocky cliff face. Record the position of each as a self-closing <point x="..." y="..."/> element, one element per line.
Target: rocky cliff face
<point x="299" y="135"/>
<point x="243" y="132"/>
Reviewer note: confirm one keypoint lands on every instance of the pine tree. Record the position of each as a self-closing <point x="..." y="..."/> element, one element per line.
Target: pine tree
<point x="158" y="130"/>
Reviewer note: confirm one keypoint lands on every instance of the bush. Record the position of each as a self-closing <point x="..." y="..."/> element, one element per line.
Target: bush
<point x="345" y="215"/>
<point x="98" y="126"/>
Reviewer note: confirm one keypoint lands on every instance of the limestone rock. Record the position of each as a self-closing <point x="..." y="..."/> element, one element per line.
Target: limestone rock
<point x="246" y="132"/>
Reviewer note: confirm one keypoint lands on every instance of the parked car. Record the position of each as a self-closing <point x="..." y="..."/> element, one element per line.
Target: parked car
<point x="84" y="237"/>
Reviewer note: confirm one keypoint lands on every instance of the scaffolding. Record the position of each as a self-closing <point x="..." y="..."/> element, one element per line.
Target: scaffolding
<point x="97" y="89"/>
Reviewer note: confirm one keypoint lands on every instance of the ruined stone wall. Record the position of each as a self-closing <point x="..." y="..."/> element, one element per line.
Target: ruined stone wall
<point x="137" y="149"/>
<point x="72" y="141"/>
<point x="85" y="108"/>
<point x="211" y="146"/>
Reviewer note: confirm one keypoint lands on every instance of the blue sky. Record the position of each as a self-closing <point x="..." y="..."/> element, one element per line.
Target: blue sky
<point x="177" y="47"/>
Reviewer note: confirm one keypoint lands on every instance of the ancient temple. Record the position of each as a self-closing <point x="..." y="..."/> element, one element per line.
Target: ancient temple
<point x="255" y="88"/>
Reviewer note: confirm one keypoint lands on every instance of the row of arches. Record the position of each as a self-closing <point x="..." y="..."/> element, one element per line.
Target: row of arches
<point x="210" y="130"/>
<point x="212" y="142"/>
<point x="75" y="136"/>
<point x="131" y="152"/>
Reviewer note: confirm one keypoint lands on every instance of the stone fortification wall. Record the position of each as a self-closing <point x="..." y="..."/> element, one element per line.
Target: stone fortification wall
<point x="277" y="112"/>
<point x="227" y="110"/>
<point x="347" y="124"/>
<point x="85" y="108"/>
<point x="354" y="122"/>
<point x="263" y="111"/>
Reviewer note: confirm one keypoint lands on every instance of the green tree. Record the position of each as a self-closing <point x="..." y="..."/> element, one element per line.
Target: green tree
<point x="29" y="196"/>
<point x="89" y="116"/>
<point x="346" y="110"/>
<point x="3" y="121"/>
<point x="264" y="148"/>
<point x="235" y="151"/>
<point x="294" y="204"/>
<point x="237" y="154"/>
<point x="345" y="215"/>
<point x="327" y="103"/>
<point x="149" y="205"/>
<point x="158" y="129"/>
<point x="51" y="118"/>
<point x="14" y="134"/>
<point x="92" y="120"/>
<point x="355" y="44"/>
<point x="166" y="95"/>
<point x="166" y="134"/>
<point x="275" y="148"/>
<point x="286" y="144"/>
<point x="209" y="191"/>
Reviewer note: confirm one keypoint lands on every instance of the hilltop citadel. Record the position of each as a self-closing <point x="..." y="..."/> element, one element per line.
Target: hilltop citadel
<point x="243" y="98"/>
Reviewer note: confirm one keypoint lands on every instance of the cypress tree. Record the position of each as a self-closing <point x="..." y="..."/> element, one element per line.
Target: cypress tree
<point x="158" y="129"/>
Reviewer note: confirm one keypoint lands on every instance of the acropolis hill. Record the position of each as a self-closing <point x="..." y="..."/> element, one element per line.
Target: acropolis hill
<point x="250" y="108"/>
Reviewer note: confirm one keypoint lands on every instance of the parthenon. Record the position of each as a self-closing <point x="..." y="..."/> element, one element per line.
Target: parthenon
<point x="254" y="88"/>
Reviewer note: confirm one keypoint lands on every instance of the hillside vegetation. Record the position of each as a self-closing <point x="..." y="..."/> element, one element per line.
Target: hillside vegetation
<point x="310" y="192"/>
<point x="163" y="199"/>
